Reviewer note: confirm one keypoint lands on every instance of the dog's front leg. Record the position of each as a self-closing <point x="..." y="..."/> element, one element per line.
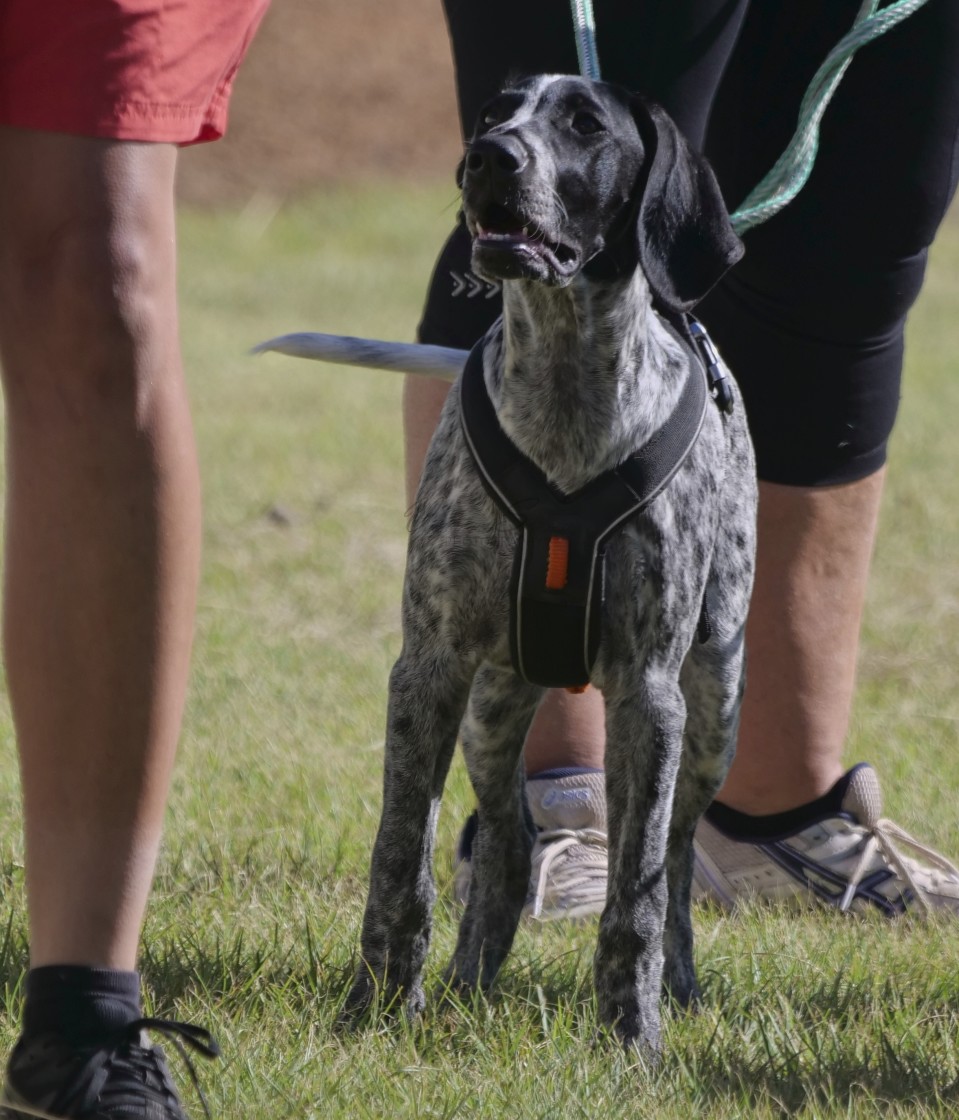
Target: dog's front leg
<point x="500" y="711"/>
<point x="644" y="728"/>
<point x="712" y="680"/>
<point x="427" y="697"/>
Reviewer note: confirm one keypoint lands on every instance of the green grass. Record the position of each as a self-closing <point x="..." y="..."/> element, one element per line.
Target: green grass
<point x="255" y="916"/>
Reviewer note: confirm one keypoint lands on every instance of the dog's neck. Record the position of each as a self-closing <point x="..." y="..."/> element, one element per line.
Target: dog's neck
<point x="587" y="374"/>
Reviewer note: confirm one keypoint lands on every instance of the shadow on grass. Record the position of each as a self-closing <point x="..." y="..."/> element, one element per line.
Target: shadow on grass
<point x="238" y="972"/>
<point x="880" y="1074"/>
<point x="785" y="1042"/>
<point x="14" y="959"/>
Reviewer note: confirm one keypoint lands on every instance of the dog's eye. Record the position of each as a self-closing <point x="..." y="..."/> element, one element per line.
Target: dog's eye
<point x="586" y="124"/>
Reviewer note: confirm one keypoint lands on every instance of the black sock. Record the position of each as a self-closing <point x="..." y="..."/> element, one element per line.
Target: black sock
<point x="745" y="826"/>
<point x="83" y="1005"/>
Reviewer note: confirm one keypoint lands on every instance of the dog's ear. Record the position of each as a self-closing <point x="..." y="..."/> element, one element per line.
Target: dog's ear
<point x="684" y="236"/>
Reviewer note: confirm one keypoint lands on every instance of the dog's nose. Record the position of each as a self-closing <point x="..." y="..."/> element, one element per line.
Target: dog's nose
<point x="500" y="157"/>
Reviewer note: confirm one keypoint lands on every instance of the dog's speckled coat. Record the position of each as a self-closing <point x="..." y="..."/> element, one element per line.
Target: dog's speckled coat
<point x="586" y="203"/>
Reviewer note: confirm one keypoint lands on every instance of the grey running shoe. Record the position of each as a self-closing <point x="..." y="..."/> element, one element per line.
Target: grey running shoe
<point x="123" y="1078"/>
<point x="568" y="877"/>
<point x="852" y="858"/>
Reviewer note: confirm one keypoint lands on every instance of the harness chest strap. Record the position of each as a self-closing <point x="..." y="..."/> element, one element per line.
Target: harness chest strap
<point x="556" y="588"/>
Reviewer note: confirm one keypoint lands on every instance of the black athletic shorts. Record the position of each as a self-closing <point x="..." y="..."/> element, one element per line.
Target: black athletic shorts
<point x="811" y="321"/>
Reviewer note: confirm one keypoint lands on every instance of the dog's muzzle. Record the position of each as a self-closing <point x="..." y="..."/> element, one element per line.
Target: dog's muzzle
<point x="510" y="240"/>
<point x="498" y="160"/>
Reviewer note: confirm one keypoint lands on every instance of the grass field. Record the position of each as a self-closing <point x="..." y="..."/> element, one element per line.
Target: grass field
<point x="255" y="916"/>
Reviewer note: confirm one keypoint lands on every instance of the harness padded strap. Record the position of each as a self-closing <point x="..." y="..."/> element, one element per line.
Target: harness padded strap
<point x="556" y="589"/>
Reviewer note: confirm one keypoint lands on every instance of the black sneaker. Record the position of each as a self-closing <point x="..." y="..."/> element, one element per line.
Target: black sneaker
<point x="122" y="1078"/>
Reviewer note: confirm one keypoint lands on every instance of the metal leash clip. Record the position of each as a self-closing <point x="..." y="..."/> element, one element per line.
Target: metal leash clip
<point x="719" y="386"/>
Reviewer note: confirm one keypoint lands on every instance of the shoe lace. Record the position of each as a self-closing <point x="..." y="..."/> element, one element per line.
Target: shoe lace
<point x="583" y="878"/>
<point x="885" y="837"/>
<point x="124" y="1066"/>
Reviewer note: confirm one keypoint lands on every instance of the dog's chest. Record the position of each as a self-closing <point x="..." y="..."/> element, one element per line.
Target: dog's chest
<point x="463" y="554"/>
<point x="558" y="573"/>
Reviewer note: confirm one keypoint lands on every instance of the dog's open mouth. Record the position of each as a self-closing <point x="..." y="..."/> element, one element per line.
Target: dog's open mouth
<point x="506" y="247"/>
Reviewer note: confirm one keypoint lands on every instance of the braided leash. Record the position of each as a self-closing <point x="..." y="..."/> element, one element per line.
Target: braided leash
<point x="584" y="26"/>
<point x="791" y="171"/>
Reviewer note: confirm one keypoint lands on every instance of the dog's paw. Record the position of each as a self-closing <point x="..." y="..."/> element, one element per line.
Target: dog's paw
<point x="635" y="1028"/>
<point x="616" y="1036"/>
<point x="681" y="993"/>
<point x="640" y="1041"/>
<point x="454" y="987"/>
<point x="370" y="1002"/>
<point x="359" y="1004"/>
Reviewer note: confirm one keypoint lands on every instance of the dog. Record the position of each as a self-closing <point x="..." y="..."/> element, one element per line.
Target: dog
<point x="604" y="228"/>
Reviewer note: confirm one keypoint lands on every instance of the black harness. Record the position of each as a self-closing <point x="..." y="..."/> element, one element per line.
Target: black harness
<point x="556" y="589"/>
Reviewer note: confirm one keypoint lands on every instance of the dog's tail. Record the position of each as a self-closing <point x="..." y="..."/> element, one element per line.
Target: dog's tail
<point x="401" y="357"/>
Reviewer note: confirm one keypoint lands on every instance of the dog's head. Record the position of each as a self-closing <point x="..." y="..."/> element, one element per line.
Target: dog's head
<point x="566" y="176"/>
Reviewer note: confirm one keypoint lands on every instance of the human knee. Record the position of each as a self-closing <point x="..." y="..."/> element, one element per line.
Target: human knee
<point x="86" y="308"/>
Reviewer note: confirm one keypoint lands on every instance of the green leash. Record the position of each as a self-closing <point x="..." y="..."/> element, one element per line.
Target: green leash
<point x="585" y="28"/>
<point x="791" y="171"/>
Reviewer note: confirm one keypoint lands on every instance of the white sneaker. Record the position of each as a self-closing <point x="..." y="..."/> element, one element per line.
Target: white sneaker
<point x="853" y="859"/>
<point x="568" y="876"/>
<point x="570" y="863"/>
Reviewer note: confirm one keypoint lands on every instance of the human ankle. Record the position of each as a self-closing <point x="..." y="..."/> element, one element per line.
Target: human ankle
<point x="80" y="1003"/>
<point x="758" y="826"/>
<point x="777" y="789"/>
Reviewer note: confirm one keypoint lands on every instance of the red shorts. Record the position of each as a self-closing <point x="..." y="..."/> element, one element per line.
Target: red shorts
<point x="154" y="70"/>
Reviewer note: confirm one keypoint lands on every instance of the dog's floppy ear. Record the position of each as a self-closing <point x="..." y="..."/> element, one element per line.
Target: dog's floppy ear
<point x="684" y="236"/>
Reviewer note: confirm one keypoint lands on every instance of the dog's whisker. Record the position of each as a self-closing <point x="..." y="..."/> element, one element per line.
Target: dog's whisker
<point x="560" y="205"/>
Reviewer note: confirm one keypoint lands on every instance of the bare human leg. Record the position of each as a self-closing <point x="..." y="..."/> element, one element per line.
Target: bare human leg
<point x="102" y="544"/>
<point x="802" y="640"/>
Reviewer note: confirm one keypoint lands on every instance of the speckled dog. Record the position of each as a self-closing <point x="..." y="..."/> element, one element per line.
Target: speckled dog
<point x="604" y="229"/>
